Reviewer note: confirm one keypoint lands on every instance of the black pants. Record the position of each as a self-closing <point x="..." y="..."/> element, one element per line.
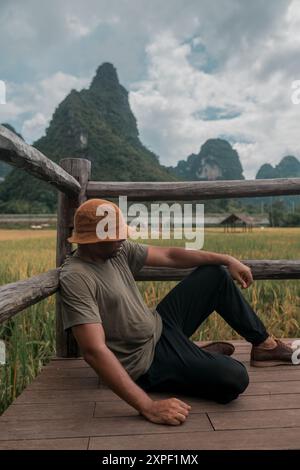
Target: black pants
<point x="179" y="365"/>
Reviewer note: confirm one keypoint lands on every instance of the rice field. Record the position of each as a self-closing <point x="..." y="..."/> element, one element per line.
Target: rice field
<point x="30" y="336"/>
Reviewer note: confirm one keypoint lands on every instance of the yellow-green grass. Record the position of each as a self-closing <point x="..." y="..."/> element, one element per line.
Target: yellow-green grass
<point x="30" y="336"/>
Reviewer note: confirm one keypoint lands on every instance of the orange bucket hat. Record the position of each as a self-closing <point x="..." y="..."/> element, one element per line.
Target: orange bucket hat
<point x="99" y="220"/>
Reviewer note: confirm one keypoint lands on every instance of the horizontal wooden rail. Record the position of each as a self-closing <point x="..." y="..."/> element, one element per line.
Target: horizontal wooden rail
<point x="261" y="269"/>
<point x="16" y="152"/>
<point x="192" y="190"/>
<point x="19" y="295"/>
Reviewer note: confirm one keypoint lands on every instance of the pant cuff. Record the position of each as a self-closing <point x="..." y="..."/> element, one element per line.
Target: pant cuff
<point x="261" y="339"/>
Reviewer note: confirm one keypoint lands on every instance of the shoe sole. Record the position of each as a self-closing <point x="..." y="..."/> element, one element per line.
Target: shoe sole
<point x="229" y="345"/>
<point x="219" y="352"/>
<point x="270" y="363"/>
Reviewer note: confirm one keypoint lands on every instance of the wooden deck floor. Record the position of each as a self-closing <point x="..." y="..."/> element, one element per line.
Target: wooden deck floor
<point x="66" y="408"/>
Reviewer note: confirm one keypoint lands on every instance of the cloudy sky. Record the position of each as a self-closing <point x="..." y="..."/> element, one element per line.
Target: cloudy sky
<point x="195" y="69"/>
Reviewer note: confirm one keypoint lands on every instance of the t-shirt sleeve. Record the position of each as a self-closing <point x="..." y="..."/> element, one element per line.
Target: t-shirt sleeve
<point x="136" y="255"/>
<point x="79" y="304"/>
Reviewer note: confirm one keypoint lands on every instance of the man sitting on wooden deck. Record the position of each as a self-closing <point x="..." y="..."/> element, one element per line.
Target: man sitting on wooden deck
<point x="134" y="349"/>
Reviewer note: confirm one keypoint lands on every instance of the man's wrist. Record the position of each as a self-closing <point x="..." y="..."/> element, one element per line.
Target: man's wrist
<point x="227" y="260"/>
<point x="145" y="405"/>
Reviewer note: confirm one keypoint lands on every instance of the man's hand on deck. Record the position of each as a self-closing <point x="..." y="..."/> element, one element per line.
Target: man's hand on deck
<point x="169" y="411"/>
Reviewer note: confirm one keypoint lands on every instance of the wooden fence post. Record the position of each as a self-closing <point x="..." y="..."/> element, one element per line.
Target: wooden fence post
<point x="80" y="169"/>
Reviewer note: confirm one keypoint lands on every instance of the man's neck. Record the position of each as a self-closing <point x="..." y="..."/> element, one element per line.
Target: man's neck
<point x="87" y="257"/>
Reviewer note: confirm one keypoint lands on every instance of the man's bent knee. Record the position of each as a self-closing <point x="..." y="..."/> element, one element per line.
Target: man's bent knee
<point x="238" y="380"/>
<point x="213" y="270"/>
<point x="234" y="381"/>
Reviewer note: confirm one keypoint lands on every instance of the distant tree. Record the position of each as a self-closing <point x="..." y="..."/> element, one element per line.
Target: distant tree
<point x="277" y="214"/>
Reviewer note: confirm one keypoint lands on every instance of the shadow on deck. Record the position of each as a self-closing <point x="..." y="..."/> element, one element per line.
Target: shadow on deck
<point x="66" y="408"/>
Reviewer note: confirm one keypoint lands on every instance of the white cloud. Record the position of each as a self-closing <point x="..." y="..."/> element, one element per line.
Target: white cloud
<point x="35" y="126"/>
<point x="79" y="28"/>
<point x="75" y="26"/>
<point x="173" y="104"/>
<point x="46" y="95"/>
<point x="32" y="104"/>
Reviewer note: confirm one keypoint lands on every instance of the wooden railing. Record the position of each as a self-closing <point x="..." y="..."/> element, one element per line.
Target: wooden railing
<point x="21" y="155"/>
<point x="19" y="295"/>
<point x="72" y="179"/>
<point x="191" y="190"/>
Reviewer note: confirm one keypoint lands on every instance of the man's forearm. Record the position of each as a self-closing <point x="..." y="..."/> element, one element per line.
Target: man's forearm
<point x="109" y="368"/>
<point x="182" y="258"/>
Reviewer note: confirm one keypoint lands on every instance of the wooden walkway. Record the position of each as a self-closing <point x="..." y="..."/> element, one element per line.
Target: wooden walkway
<point x="67" y="408"/>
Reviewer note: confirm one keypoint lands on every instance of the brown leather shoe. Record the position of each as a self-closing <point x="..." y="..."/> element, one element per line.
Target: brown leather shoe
<point x="280" y="355"/>
<point x="219" y="347"/>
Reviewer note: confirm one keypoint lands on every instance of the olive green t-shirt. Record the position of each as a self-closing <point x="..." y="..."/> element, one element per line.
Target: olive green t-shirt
<point x="105" y="292"/>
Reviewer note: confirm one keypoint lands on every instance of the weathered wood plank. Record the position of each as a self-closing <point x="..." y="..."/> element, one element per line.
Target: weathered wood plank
<point x="193" y="190"/>
<point x="256" y="419"/>
<point x="261" y="269"/>
<point x="133" y="425"/>
<point x="53" y="373"/>
<point x="243" y="356"/>
<point x="259" y="439"/>
<point x="64" y="396"/>
<point x="43" y="382"/>
<point x="278" y="369"/>
<point x="16" y="152"/>
<point x="78" y="443"/>
<point x="291" y="373"/>
<point x="67" y="363"/>
<point x="19" y="295"/>
<point x="273" y="388"/>
<point x="34" y="412"/>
